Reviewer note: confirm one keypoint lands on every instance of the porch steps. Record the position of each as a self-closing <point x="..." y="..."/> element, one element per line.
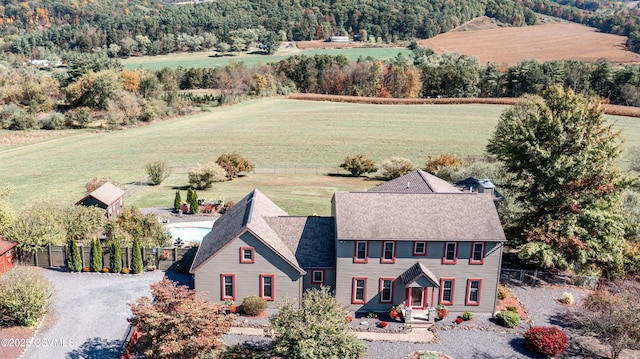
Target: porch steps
<point x="420" y="322"/>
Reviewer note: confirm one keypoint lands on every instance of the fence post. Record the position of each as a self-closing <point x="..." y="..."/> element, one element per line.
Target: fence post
<point x="522" y="275"/>
<point x="35" y="257"/>
<point x="535" y="277"/>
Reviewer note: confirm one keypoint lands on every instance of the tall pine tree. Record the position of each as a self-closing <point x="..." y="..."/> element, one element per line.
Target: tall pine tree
<point x="115" y="258"/>
<point x="136" y="257"/>
<point x="74" y="262"/>
<point x="177" y="201"/>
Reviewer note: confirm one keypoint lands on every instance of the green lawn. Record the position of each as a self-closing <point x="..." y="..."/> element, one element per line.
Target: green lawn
<point x="294" y="144"/>
<point x="208" y="59"/>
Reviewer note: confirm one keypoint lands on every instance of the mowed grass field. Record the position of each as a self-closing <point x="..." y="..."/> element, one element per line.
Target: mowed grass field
<point x="209" y="59"/>
<point x="294" y="144"/>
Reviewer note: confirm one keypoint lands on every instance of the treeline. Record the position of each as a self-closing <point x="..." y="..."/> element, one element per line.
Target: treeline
<point x="427" y="75"/>
<point x="616" y="23"/>
<point x="96" y="91"/>
<point x="126" y="28"/>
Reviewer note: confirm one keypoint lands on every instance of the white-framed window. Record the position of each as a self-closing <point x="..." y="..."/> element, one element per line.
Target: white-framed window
<point x="359" y="290"/>
<point x="317" y="276"/>
<point x="228" y="286"/>
<point x="247" y="255"/>
<point x="386" y="290"/>
<point x="388" y="252"/>
<point x="474" y="288"/>
<point x="267" y="286"/>
<point x="419" y="248"/>
<point x="477" y="253"/>
<point x="447" y="286"/>
<point x="361" y="252"/>
<point x="450" y="255"/>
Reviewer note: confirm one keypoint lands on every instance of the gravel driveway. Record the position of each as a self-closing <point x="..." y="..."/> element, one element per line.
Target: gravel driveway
<point x="88" y="318"/>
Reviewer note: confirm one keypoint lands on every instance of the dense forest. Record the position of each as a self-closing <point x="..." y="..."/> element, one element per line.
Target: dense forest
<point x="134" y="27"/>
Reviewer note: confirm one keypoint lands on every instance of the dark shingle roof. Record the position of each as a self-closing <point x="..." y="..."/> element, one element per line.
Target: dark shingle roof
<point x="471" y="184"/>
<point x="416" y="182"/>
<point x="410" y="216"/>
<point x="311" y="238"/>
<point x="416" y="271"/>
<point x="246" y="215"/>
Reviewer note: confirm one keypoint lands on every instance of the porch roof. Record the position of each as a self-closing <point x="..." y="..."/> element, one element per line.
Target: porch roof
<point x="417" y="271"/>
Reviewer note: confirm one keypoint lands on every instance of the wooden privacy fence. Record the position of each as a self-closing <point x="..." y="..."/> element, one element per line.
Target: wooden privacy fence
<point x="537" y="277"/>
<point x="56" y="256"/>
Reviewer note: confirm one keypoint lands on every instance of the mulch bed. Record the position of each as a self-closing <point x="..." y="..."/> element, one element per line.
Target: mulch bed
<point x="13" y="340"/>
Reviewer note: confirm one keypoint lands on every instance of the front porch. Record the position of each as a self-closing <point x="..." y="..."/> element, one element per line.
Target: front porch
<point x="421" y="286"/>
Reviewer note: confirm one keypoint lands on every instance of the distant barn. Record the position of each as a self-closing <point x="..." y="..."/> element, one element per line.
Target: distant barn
<point x="107" y="197"/>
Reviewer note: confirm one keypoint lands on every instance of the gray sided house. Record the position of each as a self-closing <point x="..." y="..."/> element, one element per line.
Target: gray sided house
<point x="416" y="241"/>
<point x="108" y="197"/>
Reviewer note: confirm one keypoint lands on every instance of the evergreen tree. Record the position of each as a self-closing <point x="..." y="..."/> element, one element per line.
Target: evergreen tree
<point x="96" y="256"/>
<point x="193" y="203"/>
<point x="177" y="201"/>
<point x="560" y="154"/>
<point x="136" y="257"/>
<point x="115" y="258"/>
<point x="74" y="263"/>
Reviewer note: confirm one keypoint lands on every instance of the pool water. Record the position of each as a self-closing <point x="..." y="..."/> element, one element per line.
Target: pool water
<point x="189" y="234"/>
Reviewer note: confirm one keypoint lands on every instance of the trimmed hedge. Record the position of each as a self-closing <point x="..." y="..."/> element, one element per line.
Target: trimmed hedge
<point x="253" y="305"/>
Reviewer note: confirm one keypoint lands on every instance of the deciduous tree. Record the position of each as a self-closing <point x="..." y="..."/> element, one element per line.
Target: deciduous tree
<point x="359" y="165"/>
<point x="177" y="323"/>
<point x="560" y="152"/>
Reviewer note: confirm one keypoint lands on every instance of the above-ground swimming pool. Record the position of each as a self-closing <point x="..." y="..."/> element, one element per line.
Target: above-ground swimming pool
<point x="189" y="234"/>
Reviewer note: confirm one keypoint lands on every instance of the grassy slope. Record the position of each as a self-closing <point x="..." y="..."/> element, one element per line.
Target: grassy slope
<point x="275" y="131"/>
<point x="203" y="59"/>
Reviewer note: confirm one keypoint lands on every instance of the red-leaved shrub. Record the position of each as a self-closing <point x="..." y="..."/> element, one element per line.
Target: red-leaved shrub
<point x="546" y="340"/>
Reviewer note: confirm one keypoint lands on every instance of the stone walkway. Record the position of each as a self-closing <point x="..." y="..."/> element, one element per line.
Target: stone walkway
<point x="417" y="335"/>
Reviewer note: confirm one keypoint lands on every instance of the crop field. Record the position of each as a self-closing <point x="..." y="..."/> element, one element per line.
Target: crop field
<point x="295" y="145"/>
<point x="209" y="59"/>
<point x="554" y="41"/>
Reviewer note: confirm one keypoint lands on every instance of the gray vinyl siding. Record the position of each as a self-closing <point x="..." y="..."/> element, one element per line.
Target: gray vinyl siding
<point x="373" y="270"/>
<point x="329" y="279"/>
<point x="288" y="281"/>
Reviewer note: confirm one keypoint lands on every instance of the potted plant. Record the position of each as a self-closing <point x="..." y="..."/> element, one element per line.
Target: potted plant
<point x="395" y="313"/>
<point x="164" y="255"/>
<point x="349" y="318"/>
<point x="442" y="311"/>
<point x="230" y="305"/>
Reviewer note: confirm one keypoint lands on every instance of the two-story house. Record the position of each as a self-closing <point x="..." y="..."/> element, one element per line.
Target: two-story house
<point x="416" y="240"/>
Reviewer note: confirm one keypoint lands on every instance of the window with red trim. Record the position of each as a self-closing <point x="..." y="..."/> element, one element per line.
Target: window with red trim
<point x="247" y="255"/>
<point x="447" y="287"/>
<point x="450" y="255"/>
<point x="477" y="253"/>
<point x="361" y="252"/>
<point x="359" y="290"/>
<point x="267" y="286"/>
<point x="419" y="248"/>
<point x="317" y="276"/>
<point x="388" y="252"/>
<point x="474" y="289"/>
<point x="228" y="286"/>
<point x="386" y="290"/>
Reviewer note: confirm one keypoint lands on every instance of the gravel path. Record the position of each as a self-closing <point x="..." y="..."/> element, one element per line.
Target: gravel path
<point x="88" y="318"/>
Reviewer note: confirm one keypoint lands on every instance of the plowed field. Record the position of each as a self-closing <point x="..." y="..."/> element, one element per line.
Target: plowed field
<point x="555" y="41"/>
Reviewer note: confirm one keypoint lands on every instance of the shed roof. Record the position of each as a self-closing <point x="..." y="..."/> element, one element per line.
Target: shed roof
<point x="416" y="216"/>
<point x="6" y="245"/>
<point x="107" y="194"/>
<point x="248" y="215"/>
<point x="417" y="181"/>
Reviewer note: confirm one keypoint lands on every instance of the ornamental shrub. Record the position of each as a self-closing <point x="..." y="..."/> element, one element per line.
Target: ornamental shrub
<point x="359" y="165"/>
<point x="567" y="298"/>
<point x="115" y="258"/>
<point x="24" y="296"/>
<point x="508" y="319"/>
<point x="396" y="167"/>
<point x="74" y="263"/>
<point x="466" y="316"/>
<point x="253" y="305"/>
<point x="193" y="203"/>
<point x="95" y="262"/>
<point x="136" y="257"/>
<point x="502" y="294"/>
<point x="549" y="341"/>
<point x="125" y="270"/>
<point x="201" y="177"/>
<point x="177" y="200"/>
<point x="157" y="172"/>
<point x="512" y="308"/>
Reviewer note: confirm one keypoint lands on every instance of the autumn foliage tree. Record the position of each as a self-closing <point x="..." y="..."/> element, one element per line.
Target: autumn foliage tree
<point x="359" y="165"/>
<point x="559" y="153"/>
<point x="177" y="323"/>
<point x="444" y="160"/>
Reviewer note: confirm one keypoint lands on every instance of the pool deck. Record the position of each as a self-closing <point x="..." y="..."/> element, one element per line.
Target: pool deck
<point x="199" y="224"/>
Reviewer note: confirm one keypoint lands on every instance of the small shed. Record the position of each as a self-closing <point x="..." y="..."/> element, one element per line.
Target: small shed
<point x="7" y="255"/>
<point x="108" y="197"/>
